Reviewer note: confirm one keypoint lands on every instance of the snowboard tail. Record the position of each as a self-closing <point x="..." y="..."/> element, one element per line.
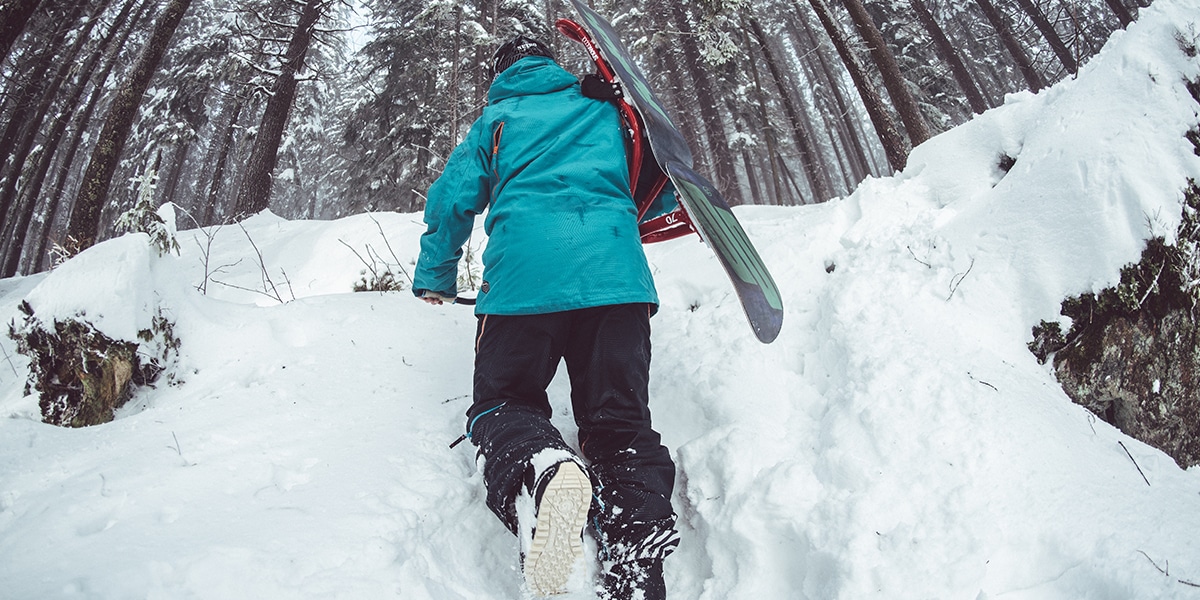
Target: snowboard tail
<point x="724" y="234"/>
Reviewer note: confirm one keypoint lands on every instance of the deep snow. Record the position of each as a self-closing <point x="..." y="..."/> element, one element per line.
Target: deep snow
<point x="896" y="441"/>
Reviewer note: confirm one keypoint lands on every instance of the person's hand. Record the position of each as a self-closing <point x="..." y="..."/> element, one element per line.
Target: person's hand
<point x="435" y="298"/>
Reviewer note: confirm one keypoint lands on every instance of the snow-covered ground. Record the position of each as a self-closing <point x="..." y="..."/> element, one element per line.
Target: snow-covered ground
<point x="896" y="441"/>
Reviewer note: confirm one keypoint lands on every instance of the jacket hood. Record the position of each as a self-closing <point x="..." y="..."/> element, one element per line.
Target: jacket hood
<point x="528" y="76"/>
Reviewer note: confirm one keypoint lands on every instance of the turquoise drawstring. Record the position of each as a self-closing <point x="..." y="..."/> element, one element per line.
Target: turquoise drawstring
<point x="471" y="426"/>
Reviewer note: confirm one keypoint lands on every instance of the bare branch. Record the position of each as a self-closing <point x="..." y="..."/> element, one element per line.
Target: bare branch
<point x="1160" y="569"/>
<point x="369" y="265"/>
<point x="1167" y="570"/>
<point x="1139" y="468"/>
<point x="958" y="279"/>
<point x="246" y="289"/>
<point x="389" y="247"/>
<point x="914" y="255"/>
<point x="288" y="281"/>
<point x="8" y="358"/>
<point x="268" y="286"/>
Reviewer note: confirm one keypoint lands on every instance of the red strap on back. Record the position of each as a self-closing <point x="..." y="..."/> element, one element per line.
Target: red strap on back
<point x="641" y="161"/>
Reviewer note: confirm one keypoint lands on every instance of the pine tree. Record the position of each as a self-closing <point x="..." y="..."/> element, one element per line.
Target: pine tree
<point x="254" y="194"/>
<point x="951" y="56"/>
<point x="885" y="126"/>
<point x="79" y="129"/>
<point x="32" y="176"/>
<point x="1004" y="31"/>
<point x="1056" y="43"/>
<point x="893" y="79"/>
<point x="818" y="178"/>
<point x="85" y="215"/>
<point x="14" y="14"/>
<point x="759" y="91"/>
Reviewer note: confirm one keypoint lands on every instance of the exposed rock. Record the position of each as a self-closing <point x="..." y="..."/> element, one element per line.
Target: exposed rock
<point x="1143" y="381"/>
<point x="1131" y="355"/>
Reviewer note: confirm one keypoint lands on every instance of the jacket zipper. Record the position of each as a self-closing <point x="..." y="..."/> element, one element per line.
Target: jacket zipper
<point x="496" y="157"/>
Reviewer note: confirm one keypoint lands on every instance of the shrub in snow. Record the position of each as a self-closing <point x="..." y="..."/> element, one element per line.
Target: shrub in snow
<point x="470" y="272"/>
<point x="380" y="274"/>
<point x="1132" y="355"/>
<point x="62" y="252"/>
<point x="378" y="281"/>
<point x="143" y="218"/>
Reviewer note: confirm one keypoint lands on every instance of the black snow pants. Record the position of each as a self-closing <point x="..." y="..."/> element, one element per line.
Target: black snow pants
<point x="607" y="353"/>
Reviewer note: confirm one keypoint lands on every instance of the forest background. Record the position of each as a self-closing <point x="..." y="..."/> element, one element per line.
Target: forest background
<point x="317" y="109"/>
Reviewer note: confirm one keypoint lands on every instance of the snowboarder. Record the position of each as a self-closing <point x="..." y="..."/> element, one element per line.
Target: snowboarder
<point x="565" y="278"/>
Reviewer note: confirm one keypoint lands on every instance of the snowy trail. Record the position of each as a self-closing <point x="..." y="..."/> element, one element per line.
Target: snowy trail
<point x="897" y="440"/>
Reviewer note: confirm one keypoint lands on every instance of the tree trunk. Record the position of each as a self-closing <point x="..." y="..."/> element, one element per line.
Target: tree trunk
<point x="1123" y="14"/>
<point x="960" y="28"/>
<point x="33" y="180"/>
<point x="454" y="74"/>
<point x="80" y="126"/>
<point x="30" y="89"/>
<point x="756" y="196"/>
<point x="482" y="56"/>
<point x="85" y="215"/>
<point x="885" y="127"/>
<point x="810" y="159"/>
<point x="848" y="114"/>
<point x="791" y="178"/>
<point x="765" y="129"/>
<point x="1086" y="37"/>
<point x="220" y="164"/>
<point x="14" y="14"/>
<point x="168" y="189"/>
<point x="1014" y="48"/>
<point x="254" y="195"/>
<point x="19" y="177"/>
<point x="710" y="117"/>
<point x="844" y="117"/>
<point x="686" y="126"/>
<point x="1052" y="37"/>
<point x="740" y="121"/>
<point x="962" y="76"/>
<point x="889" y="69"/>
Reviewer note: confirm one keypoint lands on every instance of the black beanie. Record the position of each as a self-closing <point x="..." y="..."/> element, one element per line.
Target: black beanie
<point x="516" y="49"/>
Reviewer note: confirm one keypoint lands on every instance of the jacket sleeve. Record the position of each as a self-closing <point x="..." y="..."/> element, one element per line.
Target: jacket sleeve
<point x="460" y="192"/>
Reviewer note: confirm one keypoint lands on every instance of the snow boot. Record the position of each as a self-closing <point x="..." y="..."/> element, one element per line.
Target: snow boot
<point x="635" y="552"/>
<point x="562" y="495"/>
<point x="641" y="579"/>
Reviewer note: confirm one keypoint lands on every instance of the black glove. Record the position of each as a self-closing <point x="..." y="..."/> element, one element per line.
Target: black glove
<point x="594" y="87"/>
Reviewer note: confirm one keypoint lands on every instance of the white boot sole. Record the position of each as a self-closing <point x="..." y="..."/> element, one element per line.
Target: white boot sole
<point x="557" y="545"/>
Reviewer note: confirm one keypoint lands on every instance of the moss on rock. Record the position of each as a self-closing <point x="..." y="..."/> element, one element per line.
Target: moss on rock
<point x="81" y="375"/>
<point x="1131" y="354"/>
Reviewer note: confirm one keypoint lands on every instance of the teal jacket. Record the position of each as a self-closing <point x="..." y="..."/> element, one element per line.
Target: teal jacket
<point x="548" y="165"/>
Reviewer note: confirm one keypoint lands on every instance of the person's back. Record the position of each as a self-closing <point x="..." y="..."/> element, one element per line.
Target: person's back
<point x="561" y="225"/>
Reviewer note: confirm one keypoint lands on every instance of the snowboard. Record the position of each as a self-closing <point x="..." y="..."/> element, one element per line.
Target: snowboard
<point x="704" y="207"/>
